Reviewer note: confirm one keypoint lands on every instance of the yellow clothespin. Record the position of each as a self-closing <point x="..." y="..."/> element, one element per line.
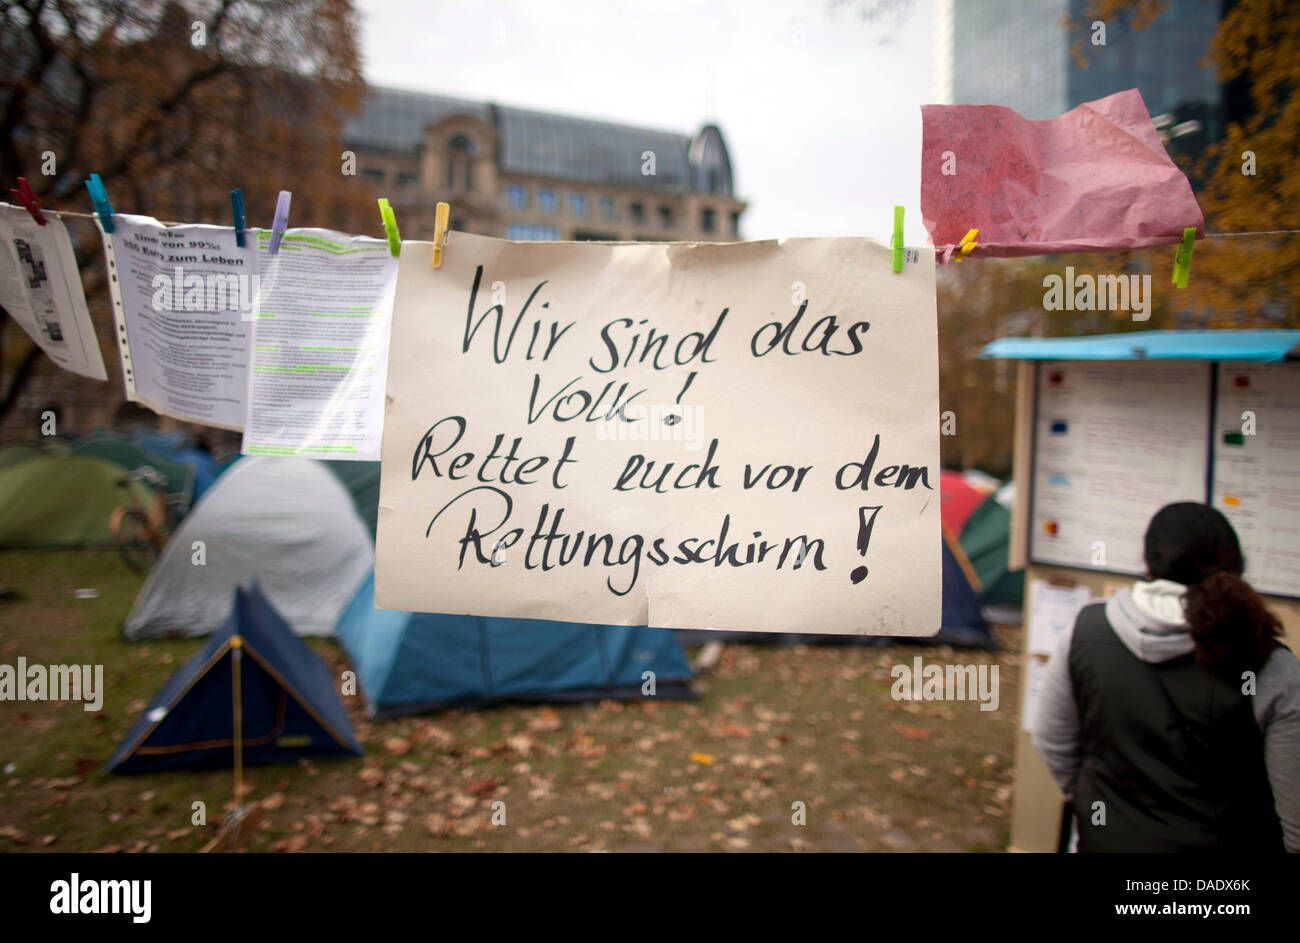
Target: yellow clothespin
<point x="440" y="232"/>
<point x="967" y="243"/>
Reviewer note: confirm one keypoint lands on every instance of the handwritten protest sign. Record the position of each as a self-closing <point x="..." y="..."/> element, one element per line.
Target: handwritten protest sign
<point x="709" y="436"/>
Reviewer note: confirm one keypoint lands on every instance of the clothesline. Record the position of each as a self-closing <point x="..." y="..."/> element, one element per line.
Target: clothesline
<point x="1208" y="235"/>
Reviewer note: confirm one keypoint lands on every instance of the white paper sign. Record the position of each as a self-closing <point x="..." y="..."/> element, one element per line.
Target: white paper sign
<point x="183" y="298"/>
<point x="320" y="346"/>
<point x="710" y="436"/>
<point x="1052" y="611"/>
<point x="1257" y="469"/>
<point x="40" y="287"/>
<point x="1113" y="444"/>
<point x="1035" y="673"/>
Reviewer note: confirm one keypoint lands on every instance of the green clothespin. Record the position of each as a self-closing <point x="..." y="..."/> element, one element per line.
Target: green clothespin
<point x="1183" y="260"/>
<point x="897" y="242"/>
<point x="390" y="227"/>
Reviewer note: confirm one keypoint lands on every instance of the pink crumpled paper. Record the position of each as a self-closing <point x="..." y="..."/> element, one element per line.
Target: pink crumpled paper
<point x="1095" y="179"/>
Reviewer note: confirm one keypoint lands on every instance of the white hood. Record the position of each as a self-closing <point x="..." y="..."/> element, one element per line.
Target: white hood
<point x="1149" y="619"/>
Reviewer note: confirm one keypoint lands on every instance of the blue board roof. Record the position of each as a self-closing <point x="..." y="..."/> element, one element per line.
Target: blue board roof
<point x="1269" y="346"/>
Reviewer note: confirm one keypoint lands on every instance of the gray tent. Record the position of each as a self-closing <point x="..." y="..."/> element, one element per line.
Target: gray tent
<point x="285" y="522"/>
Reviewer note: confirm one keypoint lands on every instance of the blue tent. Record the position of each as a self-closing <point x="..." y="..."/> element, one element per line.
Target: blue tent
<point x="408" y="662"/>
<point x="290" y="708"/>
<point x="962" y="624"/>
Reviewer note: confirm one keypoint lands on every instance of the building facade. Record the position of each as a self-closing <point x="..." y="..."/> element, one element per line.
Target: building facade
<point x="531" y="176"/>
<point x="1018" y="53"/>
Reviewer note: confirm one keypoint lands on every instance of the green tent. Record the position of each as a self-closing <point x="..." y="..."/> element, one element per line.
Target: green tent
<point x="178" y="479"/>
<point x="61" y="501"/>
<point x="362" y="481"/>
<point x="986" y="538"/>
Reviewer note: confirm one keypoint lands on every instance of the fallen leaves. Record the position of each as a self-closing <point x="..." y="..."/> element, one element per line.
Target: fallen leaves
<point x="913" y="733"/>
<point x="398" y="745"/>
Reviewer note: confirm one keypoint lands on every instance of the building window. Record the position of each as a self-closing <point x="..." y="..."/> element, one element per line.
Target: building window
<point x="666" y="217"/>
<point x="406" y="180"/>
<point x="735" y="225"/>
<point x="577" y="204"/>
<point x="637" y="212"/>
<point x="531" y="232"/>
<point x="546" y="201"/>
<point x="517" y="197"/>
<point x="461" y="148"/>
<point x="707" y="219"/>
<point x="375" y="176"/>
<point x="607" y="207"/>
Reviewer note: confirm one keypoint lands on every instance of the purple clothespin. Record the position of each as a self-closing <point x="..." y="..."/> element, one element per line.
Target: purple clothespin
<point x="281" y="220"/>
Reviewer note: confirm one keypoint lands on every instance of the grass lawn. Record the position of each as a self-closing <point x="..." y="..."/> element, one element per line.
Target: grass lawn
<point x="771" y="727"/>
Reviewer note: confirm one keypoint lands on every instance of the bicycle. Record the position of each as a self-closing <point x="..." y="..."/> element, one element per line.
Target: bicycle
<point x="140" y="532"/>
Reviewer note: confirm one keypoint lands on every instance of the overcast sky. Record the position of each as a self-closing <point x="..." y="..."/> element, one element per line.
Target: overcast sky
<point x="820" y="109"/>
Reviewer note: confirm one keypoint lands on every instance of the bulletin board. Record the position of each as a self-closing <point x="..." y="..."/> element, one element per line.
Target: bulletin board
<point x="1256" y="481"/>
<point x="1113" y="442"/>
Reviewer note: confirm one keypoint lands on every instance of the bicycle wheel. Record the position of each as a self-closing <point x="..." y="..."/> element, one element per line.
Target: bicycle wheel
<point x="129" y="534"/>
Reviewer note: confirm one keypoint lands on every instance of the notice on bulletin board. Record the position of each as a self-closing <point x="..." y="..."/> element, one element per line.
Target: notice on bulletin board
<point x="1257" y="469"/>
<point x="1114" y="443"/>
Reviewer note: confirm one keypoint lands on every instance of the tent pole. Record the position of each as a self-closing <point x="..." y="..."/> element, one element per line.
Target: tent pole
<point x="237" y="654"/>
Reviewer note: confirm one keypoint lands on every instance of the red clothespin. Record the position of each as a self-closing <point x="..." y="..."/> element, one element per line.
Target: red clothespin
<point x="24" y="197"/>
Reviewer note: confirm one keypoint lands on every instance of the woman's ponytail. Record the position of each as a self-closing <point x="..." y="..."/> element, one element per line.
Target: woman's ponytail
<point x="1232" y="629"/>
<point x="1195" y="545"/>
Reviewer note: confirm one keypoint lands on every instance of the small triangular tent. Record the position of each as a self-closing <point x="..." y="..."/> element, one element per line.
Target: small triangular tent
<point x="986" y="539"/>
<point x="286" y="522"/>
<point x="54" y="500"/>
<point x="287" y="700"/>
<point x="407" y="662"/>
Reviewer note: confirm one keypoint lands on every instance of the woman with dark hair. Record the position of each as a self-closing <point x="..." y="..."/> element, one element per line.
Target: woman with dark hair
<point x="1170" y="715"/>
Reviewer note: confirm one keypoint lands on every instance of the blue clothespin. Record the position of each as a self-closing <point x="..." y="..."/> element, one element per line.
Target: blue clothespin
<point x="896" y="243"/>
<point x="280" y="222"/>
<point x="237" y="210"/>
<point x="99" y="198"/>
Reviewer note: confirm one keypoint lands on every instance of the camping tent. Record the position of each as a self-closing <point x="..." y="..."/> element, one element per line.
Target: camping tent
<point x="179" y="447"/>
<point x="961" y="626"/>
<point x="986" y="538"/>
<point x="52" y="500"/>
<point x="286" y="521"/>
<point x="177" y="478"/>
<point x="957" y="499"/>
<point x="415" y="661"/>
<point x="288" y="704"/>
<point x="362" y="481"/>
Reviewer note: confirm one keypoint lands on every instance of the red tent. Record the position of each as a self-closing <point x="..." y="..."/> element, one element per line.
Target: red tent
<point x="958" y="499"/>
